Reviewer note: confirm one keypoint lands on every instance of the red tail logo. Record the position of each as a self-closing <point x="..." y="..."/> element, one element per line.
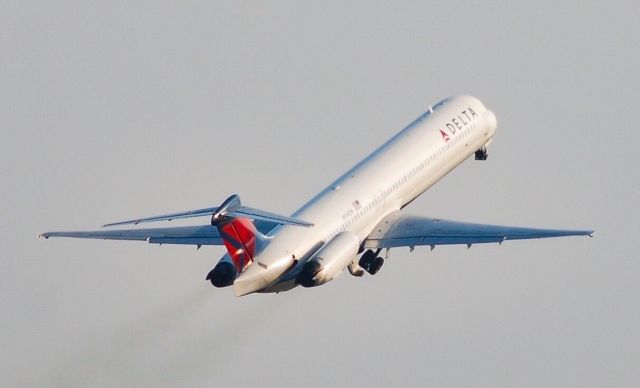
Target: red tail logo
<point x="239" y="236"/>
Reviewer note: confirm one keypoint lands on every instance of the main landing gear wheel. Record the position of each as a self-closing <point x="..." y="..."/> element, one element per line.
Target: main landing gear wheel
<point x="482" y="154"/>
<point x="370" y="261"/>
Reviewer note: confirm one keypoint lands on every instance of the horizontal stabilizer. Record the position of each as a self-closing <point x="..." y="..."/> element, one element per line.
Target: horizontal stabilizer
<point x="230" y="208"/>
<point x="168" y="217"/>
<point x="257" y="214"/>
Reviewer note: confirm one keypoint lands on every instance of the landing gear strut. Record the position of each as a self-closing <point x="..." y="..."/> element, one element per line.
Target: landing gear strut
<point x="355" y="270"/>
<point x="370" y="261"/>
<point x="482" y="154"/>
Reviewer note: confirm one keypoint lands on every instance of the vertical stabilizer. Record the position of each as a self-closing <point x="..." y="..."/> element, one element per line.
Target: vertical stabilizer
<point x="239" y="234"/>
<point x="241" y="238"/>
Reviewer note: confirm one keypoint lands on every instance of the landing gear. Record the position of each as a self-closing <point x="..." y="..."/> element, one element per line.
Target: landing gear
<point x="482" y="154"/>
<point x="355" y="269"/>
<point x="370" y="261"/>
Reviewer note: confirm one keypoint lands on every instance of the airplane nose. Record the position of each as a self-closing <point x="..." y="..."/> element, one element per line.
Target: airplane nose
<point x="492" y="122"/>
<point x="249" y="281"/>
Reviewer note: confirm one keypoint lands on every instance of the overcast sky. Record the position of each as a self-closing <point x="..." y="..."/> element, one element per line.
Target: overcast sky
<point x="112" y="110"/>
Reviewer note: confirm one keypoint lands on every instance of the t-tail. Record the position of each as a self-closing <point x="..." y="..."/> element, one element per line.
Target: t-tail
<point x="242" y="240"/>
<point x="237" y="229"/>
<point x="241" y="237"/>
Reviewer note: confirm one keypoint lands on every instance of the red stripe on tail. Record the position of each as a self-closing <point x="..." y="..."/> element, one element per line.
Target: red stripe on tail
<point x="239" y="236"/>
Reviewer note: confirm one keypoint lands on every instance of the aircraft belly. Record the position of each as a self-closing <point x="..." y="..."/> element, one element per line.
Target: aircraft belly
<point x="382" y="183"/>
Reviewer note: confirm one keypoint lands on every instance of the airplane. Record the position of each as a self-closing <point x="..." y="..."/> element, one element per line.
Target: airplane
<point x="350" y="222"/>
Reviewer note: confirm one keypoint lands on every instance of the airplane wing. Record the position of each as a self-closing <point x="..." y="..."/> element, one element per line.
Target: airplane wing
<point x="190" y="235"/>
<point x="186" y="235"/>
<point x="400" y="230"/>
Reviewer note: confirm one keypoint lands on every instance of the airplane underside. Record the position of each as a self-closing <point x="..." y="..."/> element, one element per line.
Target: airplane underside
<point x="348" y="224"/>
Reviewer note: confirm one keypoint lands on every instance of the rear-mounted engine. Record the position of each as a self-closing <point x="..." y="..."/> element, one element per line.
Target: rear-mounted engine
<point x="223" y="274"/>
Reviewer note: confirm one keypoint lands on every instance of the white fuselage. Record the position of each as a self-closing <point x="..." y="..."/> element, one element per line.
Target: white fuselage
<point x="385" y="181"/>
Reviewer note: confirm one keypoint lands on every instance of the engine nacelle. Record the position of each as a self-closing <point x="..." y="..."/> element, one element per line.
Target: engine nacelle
<point x="223" y="274"/>
<point x="330" y="260"/>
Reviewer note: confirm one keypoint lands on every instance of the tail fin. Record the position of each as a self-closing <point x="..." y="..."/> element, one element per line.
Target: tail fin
<point x="242" y="240"/>
<point x="239" y="234"/>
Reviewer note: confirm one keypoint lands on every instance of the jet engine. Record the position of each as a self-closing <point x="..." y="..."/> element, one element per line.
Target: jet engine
<point x="223" y="274"/>
<point x="330" y="260"/>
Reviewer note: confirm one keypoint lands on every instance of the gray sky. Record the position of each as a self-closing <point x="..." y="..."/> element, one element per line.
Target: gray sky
<point x="116" y="110"/>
